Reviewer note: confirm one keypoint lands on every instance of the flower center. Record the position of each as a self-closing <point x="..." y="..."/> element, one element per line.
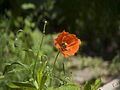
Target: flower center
<point x="63" y="46"/>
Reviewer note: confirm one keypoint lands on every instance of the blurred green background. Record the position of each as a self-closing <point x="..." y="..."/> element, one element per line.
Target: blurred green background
<point x="96" y="23"/>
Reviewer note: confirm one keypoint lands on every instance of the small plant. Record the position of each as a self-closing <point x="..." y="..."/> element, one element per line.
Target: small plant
<point x="87" y="85"/>
<point x="39" y="75"/>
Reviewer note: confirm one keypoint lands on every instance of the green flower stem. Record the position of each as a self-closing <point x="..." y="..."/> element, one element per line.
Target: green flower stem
<point x="55" y="62"/>
<point x="73" y="78"/>
<point x="63" y="68"/>
<point x="54" y="66"/>
<point x="39" y="49"/>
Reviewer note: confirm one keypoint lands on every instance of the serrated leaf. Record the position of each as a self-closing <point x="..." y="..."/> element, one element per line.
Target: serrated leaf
<point x="97" y="84"/>
<point x="87" y="86"/>
<point x="67" y="87"/>
<point x="21" y="85"/>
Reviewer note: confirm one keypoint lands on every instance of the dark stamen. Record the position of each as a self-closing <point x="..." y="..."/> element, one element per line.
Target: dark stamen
<point x="63" y="46"/>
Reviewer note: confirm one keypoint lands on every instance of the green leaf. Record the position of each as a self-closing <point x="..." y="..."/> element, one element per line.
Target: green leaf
<point x="49" y="89"/>
<point x="41" y="77"/>
<point x="11" y="85"/>
<point x="67" y="87"/>
<point x="97" y="84"/>
<point x="36" y="84"/>
<point x="26" y="6"/>
<point x="43" y="80"/>
<point x="2" y="77"/>
<point x="21" y="85"/>
<point x="7" y="67"/>
<point x="87" y="86"/>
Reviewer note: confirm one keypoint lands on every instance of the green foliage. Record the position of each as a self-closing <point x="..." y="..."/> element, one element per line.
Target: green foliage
<point x="1" y="75"/>
<point x="90" y="61"/>
<point x="41" y="78"/>
<point x="97" y="83"/>
<point x="20" y="39"/>
<point x="96" y="19"/>
<point x="67" y="87"/>
<point x="21" y="85"/>
<point x="115" y="65"/>
<point x="26" y="6"/>
<point x="19" y="51"/>
<point x="87" y="86"/>
<point x="7" y="67"/>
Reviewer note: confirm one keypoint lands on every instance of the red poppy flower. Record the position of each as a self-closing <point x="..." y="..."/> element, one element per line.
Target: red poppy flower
<point x="67" y="43"/>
